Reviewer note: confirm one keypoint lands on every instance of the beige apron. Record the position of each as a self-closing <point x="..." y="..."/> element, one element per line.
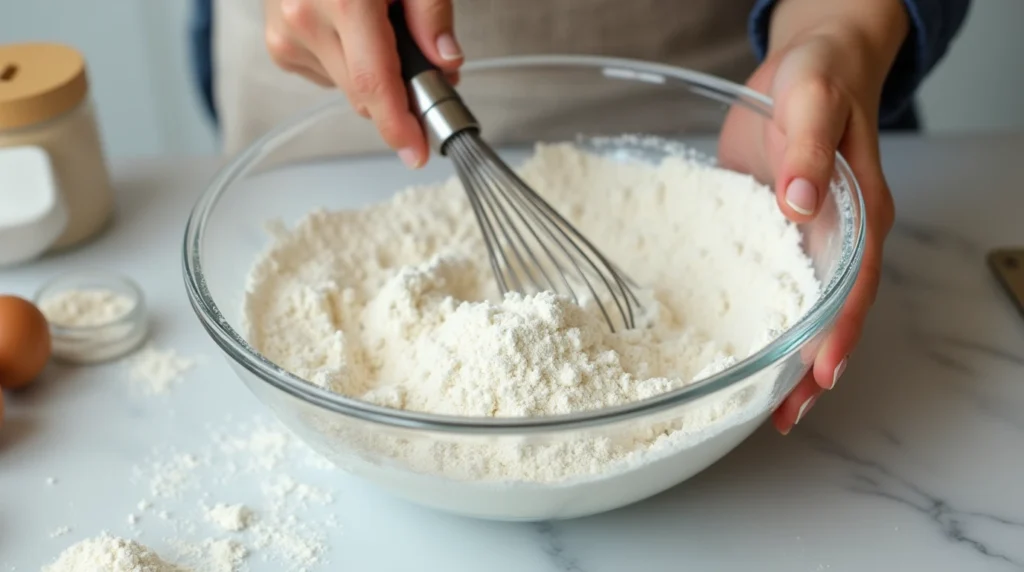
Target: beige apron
<point x="253" y="95"/>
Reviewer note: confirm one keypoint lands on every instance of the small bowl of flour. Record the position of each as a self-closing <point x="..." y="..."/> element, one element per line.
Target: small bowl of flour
<point x="94" y="316"/>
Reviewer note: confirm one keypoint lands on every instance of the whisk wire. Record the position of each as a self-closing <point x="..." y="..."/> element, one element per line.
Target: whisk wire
<point x="548" y="215"/>
<point x="493" y="185"/>
<point x="527" y="241"/>
<point x="506" y="222"/>
<point x="494" y="249"/>
<point x="503" y="203"/>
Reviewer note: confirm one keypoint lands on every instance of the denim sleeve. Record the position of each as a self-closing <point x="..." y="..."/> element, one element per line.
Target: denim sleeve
<point x="201" y="53"/>
<point x="934" y="24"/>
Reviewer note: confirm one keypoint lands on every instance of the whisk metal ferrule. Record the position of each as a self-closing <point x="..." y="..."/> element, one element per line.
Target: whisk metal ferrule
<point x="439" y="105"/>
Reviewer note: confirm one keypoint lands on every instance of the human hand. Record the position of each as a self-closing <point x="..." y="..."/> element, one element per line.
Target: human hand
<point x="825" y="75"/>
<point x="350" y="44"/>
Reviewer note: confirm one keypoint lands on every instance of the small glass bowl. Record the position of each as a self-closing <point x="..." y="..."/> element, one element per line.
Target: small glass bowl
<point x="96" y="343"/>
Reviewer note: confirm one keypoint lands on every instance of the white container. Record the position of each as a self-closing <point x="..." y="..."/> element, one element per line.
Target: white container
<point x="54" y="184"/>
<point x="100" y="341"/>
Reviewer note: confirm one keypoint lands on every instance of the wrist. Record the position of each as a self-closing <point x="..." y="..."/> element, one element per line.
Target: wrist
<point x="870" y="32"/>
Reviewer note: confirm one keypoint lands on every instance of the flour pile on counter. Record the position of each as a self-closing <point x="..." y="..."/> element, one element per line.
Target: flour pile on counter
<point x="396" y="304"/>
<point x="233" y="518"/>
<point x="156" y="370"/>
<point x="107" y="553"/>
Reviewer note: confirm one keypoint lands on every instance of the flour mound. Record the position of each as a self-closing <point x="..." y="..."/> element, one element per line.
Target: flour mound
<point x="232" y="518"/>
<point x="396" y="304"/>
<point x="530" y="355"/>
<point x="107" y="553"/>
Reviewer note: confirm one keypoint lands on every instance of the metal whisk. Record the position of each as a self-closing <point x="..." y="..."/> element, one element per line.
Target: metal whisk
<point x="530" y="245"/>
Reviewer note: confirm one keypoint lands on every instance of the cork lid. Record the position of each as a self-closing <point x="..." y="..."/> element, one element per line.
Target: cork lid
<point x="39" y="82"/>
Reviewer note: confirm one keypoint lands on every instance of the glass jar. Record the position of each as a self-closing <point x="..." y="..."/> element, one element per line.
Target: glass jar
<point x="45" y="107"/>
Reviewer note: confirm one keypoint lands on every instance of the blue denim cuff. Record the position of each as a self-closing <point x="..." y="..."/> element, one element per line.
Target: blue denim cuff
<point x="934" y="24"/>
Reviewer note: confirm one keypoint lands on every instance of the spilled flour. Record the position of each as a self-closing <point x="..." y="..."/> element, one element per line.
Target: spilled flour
<point x="283" y="525"/>
<point x="395" y="304"/>
<point x="107" y="553"/>
<point x="155" y="370"/>
<point x="232" y="518"/>
<point x="284" y="528"/>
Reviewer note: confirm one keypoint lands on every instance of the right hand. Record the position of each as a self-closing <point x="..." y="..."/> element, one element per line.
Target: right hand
<point x="350" y="44"/>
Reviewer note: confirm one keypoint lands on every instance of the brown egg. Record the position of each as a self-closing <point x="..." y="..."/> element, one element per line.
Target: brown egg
<point x="24" y="342"/>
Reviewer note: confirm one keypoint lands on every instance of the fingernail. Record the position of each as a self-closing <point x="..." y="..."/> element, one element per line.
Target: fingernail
<point x="410" y="157"/>
<point x="805" y="408"/>
<point x="448" y="47"/>
<point x="838" y="372"/>
<point x="801" y="196"/>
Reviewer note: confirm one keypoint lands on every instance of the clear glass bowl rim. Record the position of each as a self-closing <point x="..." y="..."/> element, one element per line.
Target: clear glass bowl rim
<point x="234" y="345"/>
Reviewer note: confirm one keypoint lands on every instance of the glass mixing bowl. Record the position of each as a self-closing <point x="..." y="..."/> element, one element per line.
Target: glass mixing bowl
<point x="448" y="462"/>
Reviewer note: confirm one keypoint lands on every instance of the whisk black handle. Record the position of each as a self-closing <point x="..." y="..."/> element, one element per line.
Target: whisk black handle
<point x="439" y="106"/>
<point x="409" y="54"/>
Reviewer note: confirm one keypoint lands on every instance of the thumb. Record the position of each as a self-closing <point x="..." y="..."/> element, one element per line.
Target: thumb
<point x="432" y="24"/>
<point x="812" y="114"/>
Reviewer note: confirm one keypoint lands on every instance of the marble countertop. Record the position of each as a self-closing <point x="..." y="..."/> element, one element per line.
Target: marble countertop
<point x="914" y="462"/>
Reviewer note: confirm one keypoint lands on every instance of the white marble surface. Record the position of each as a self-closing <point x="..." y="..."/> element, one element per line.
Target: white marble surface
<point x="914" y="462"/>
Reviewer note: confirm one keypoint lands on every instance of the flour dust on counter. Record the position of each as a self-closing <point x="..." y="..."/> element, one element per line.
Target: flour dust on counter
<point x="219" y="536"/>
<point x="255" y="453"/>
<point x="395" y="304"/>
<point x="156" y="370"/>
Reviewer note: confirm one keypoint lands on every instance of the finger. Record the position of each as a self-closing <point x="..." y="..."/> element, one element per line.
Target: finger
<point x="284" y="45"/>
<point x="374" y="75"/>
<point x="432" y="25"/>
<point x="285" y="52"/>
<point x="316" y="74"/>
<point x="332" y="62"/>
<point x="813" y="113"/>
<point x="308" y="26"/>
<point x="302" y="20"/>
<point x="831" y="360"/>
<point x="796" y="405"/>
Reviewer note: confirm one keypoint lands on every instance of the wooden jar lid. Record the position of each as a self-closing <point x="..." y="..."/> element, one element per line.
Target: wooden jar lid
<point x="39" y="82"/>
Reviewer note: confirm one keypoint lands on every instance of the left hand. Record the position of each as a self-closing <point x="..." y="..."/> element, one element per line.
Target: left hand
<point x="826" y="84"/>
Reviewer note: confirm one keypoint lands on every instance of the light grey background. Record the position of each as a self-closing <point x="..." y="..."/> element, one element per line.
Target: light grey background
<point x="138" y="57"/>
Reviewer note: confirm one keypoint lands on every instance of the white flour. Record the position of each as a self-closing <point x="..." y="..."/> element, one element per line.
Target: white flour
<point x="95" y="318"/>
<point x="395" y="304"/>
<point x="281" y="529"/>
<point x="232" y="518"/>
<point x="107" y="553"/>
<point x="78" y="308"/>
<point x="156" y="370"/>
